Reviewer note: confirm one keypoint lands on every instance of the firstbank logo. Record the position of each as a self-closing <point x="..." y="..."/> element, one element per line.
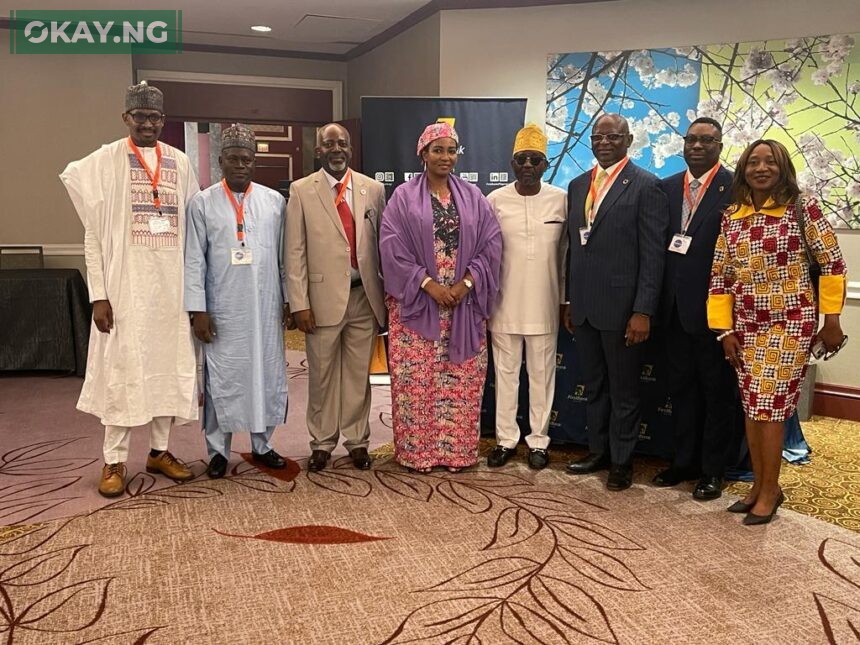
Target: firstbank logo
<point x="95" y="32"/>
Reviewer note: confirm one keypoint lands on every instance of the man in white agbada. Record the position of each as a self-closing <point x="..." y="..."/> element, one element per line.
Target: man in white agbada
<point x="131" y="196"/>
<point x="533" y="218"/>
<point x="235" y="291"/>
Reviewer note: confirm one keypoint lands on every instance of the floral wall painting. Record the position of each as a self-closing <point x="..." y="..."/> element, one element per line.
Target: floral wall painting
<point x="802" y="92"/>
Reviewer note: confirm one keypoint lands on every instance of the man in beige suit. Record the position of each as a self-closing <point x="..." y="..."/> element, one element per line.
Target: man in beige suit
<point x="335" y="291"/>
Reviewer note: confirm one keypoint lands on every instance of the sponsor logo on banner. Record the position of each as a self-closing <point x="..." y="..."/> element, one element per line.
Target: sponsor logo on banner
<point x="644" y="435"/>
<point x="578" y="393"/>
<point x="559" y="362"/>
<point x="95" y="32"/>
<point x="389" y="176"/>
<point x="553" y="418"/>
<point x="471" y="177"/>
<point x="666" y="408"/>
<point x="498" y="179"/>
<point x="379" y="176"/>
<point x="384" y="176"/>
<point x="647" y="375"/>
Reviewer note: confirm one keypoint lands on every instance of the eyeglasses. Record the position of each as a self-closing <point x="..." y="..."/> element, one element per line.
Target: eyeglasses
<point x="820" y="351"/>
<point x="614" y="137"/>
<point x="142" y="117"/>
<point x="706" y="140"/>
<point x="535" y="159"/>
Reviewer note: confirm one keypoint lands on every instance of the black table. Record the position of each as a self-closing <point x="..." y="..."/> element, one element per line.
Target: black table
<point x="45" y="318"/>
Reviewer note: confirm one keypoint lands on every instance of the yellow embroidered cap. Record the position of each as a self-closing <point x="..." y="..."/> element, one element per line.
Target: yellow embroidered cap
<point x="530" y="137"/>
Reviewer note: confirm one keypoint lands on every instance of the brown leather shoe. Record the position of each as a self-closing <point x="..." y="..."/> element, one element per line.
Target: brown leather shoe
<point x="169" y="466"/>
<point x="360" y="458"/>
<point x="318" y="460"/>
<point x="112" y="483"/>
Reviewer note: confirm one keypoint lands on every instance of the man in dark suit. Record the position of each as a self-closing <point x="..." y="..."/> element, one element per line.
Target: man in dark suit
<point x="617" y="221"/>
<point x="701" y="383"/>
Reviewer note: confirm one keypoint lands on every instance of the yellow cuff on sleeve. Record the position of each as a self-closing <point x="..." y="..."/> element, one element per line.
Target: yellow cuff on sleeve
<point x="720" y="310"/>
<point x="831" y="294"/>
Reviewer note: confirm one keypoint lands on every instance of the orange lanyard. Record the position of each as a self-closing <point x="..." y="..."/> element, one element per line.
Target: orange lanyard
<point x="688" y="196"/>
<point x="153" y="177"/>
<point x="341" y="195"/>
<point x="607" y="184"/>
<point x="238" y="208"/>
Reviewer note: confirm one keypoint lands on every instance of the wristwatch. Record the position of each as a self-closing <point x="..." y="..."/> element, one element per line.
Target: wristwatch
<point x="469" y="284"/>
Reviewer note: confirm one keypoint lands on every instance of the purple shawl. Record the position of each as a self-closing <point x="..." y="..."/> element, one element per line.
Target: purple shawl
<point x="406" y="241"/>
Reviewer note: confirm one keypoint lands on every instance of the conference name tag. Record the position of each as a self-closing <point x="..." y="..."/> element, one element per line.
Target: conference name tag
<point x="159" y="225"/>
<point x="241" y="256"/>
<point x="680" y="243"/>
<point x="584" y="232"/>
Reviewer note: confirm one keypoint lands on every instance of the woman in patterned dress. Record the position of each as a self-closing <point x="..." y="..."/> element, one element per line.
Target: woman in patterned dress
<point x="763" y="305"/>
<point x="440" y="247"/>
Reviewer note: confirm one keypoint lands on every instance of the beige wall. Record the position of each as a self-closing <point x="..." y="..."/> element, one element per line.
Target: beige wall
<point x="407" y="65"/>
<point x="55" y="109"/>
<point x="502" y="52"/>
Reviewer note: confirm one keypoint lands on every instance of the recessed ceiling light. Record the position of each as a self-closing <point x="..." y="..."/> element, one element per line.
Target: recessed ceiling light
<point x="262" y="28"/>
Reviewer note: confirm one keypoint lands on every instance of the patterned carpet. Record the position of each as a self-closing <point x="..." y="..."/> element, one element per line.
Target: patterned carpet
<point x="387" y="557"/>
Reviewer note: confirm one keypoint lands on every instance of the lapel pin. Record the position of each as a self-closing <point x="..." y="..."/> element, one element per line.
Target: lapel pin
<point x="363" y="191"/>
<point x="722" y="188"/>
<point x="625" y="182"/>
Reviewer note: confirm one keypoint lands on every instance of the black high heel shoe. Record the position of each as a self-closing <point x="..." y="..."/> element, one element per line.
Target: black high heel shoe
<point x="740" y="507"/>
<point x="753" y="520"/>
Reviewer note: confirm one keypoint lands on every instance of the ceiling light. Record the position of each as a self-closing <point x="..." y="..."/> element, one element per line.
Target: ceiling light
<point x="262" y="28"/>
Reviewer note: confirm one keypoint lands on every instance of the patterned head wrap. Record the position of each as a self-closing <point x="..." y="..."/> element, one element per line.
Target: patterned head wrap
<point x="238" y="136"/>
<point x="144" y="96"/>
<point x="435" y="131"/>
<point x="530" y="137"/>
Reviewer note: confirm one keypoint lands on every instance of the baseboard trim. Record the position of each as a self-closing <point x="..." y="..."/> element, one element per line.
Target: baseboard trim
<point x="57" y="249"/>
<point x="838" y="401"/>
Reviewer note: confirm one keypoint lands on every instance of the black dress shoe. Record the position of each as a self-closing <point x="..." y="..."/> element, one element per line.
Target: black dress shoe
<point x="672" y="477"/>
<point x="318" y="460"/>
<point x="740" y="507"/>
<point x="591" y="463"/>
<point x="752" y="519"/>
<point x="269" y="459"/>
<point x="708" y="488"/>
<point x="360" y="458"/>
<point x="538" y="458"/>
<point x="500" y="456"/>
<point x="217" y="467"/>
<point x="620" y="477"/>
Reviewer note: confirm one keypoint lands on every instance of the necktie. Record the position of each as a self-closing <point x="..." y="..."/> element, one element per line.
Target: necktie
<point x="598" y="184"/>
<point x="687" y="207"/>
<point x="348" y="226"/>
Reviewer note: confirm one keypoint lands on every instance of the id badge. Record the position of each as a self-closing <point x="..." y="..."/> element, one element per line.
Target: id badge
<point x="680" y="243"/>
<point x="241" y="256"/>
<point x="159" y="225"/>
<point x="584" y="233"/>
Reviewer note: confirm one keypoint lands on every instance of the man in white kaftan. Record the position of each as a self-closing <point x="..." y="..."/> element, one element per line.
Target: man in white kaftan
<point x="235" y="291"/>
<point x="130" y="196"/>
<point x="533" y="218"/>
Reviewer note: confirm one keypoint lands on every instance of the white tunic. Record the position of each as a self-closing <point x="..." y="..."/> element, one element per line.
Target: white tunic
<point x="534" y="243"/>
<point x="145" y="366"/>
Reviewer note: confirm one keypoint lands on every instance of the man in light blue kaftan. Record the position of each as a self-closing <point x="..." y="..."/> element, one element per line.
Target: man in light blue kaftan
<point x="235" y="293"/>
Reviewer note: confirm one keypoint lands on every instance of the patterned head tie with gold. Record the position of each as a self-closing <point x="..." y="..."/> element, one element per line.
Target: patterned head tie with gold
<point x="435" y="131"/>
<point x="238" y="136"/>
<point x="144" y="96"/>
<point x="530" y="137"/>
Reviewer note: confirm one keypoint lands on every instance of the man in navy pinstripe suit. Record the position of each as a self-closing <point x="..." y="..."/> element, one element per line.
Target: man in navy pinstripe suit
<point x="617" y="222"/>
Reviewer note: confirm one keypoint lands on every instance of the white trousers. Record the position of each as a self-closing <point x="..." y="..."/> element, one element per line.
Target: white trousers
<point x="118" y="438"/>
<point x="540" y="366"/>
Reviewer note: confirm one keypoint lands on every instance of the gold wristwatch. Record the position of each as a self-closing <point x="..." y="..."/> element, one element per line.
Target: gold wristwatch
<point x="469" y="284"/>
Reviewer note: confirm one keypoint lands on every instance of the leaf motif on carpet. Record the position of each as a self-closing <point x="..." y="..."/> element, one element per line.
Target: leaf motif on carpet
<point x="309" y="534"/>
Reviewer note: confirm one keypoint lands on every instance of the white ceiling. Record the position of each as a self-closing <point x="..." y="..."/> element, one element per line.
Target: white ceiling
<point x="313" y="26"/>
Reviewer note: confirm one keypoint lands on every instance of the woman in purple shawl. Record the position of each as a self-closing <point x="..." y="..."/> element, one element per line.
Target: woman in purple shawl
<point x="440" y="247"/>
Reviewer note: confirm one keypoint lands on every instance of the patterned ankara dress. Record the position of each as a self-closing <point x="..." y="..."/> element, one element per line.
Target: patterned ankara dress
<point x="435" y="404"/>
<point x="760" y="286"/>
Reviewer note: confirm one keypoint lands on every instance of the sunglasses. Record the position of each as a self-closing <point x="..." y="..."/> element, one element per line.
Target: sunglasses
<point x="819" y="351"/>
<point x="706" y="140"/>
<point x="535" y="159"/>
<point x="142" y="117"/>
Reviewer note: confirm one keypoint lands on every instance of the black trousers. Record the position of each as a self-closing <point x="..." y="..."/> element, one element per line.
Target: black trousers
<point x="703" y="388"/>
<point x="612" y="381"/>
